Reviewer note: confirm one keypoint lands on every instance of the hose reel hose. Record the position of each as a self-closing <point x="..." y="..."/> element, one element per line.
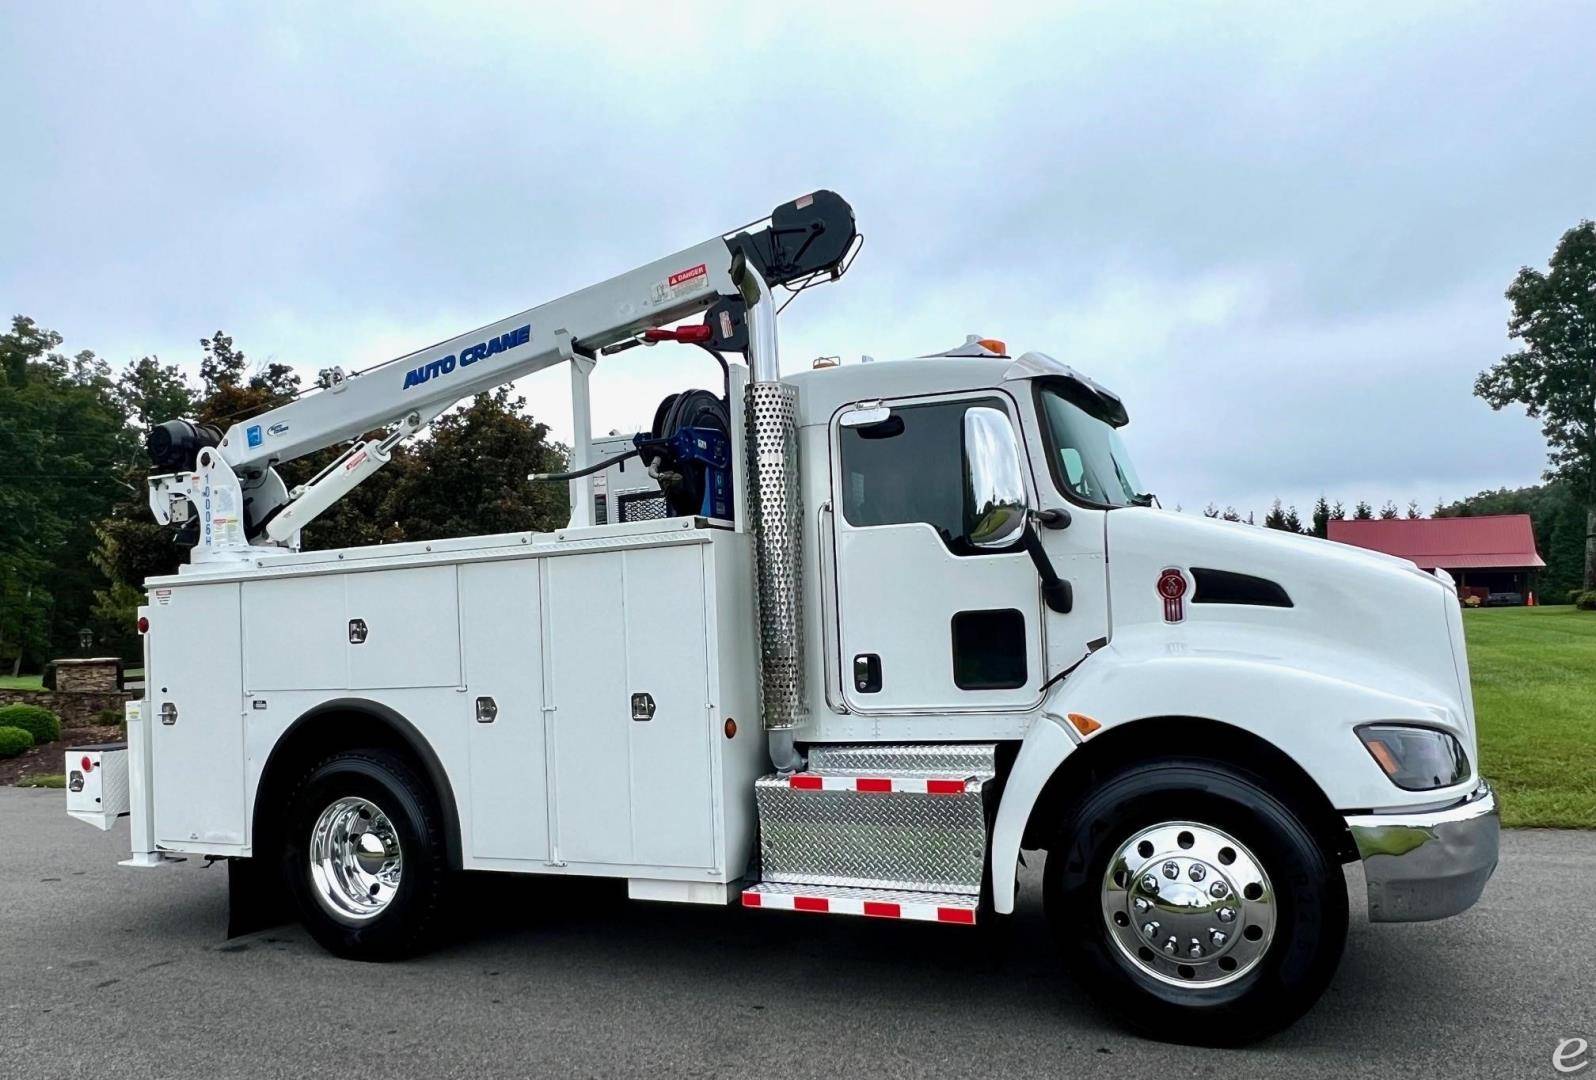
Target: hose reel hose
<point x="683" y="486"/>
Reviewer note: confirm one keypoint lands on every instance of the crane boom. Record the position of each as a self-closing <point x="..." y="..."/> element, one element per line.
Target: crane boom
<point x="430" y="380"/>
<point x="230" y="480"/>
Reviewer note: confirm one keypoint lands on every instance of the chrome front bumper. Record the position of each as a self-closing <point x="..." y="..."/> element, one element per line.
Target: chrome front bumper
<point x="1428" y="865"/>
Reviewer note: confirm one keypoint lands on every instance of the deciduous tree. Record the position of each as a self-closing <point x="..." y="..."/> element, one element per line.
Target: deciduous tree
<point x="61" y="431"/>
<point x="1554" y="375"/>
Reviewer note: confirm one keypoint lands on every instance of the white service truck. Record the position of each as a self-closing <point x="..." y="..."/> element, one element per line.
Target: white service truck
<point x="852" y="641"/>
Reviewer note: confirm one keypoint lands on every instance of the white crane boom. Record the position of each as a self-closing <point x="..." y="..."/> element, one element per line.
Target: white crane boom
<point x="429" y="380"/>
<point x="229" y="480"/>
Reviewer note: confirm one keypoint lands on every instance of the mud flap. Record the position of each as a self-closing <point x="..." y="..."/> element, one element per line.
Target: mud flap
<point x="256" y="899"/>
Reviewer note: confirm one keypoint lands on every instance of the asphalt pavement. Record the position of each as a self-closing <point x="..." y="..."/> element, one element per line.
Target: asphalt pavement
<point x="119" y="973"/>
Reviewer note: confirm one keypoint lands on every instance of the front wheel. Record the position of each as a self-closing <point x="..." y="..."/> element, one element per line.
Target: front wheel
<point x="1196" y="903"/>
<point x="364" y="855"/>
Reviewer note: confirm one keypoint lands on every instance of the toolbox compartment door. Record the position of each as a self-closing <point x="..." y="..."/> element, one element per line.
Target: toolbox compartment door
<point x="412" y="628"/>
<point x="629" y="684"/>
<point x="196" y="668"/>
<point x="502" y="709"/>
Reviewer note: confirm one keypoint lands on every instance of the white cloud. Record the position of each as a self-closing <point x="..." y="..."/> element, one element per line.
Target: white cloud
<point x="1283" y="235"/>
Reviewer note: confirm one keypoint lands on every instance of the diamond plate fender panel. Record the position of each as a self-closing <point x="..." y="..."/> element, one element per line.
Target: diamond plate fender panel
<point x="882" y="839"/>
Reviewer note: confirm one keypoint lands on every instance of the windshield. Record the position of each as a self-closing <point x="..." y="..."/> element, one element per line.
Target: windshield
<point x="1089" y="460"/>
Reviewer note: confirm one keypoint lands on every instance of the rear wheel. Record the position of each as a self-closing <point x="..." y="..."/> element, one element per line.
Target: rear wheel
<point x="1196" y="903"/>
<point x="364" y="856"/>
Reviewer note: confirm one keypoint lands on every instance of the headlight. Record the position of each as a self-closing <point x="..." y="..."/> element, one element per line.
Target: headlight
<point x="1416" y="758"/>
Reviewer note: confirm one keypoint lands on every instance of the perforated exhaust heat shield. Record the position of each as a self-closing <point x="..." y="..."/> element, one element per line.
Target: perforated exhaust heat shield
<point x="777" y="519"/>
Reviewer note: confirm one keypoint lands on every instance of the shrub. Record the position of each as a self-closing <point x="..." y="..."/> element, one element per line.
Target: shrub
<point x="43" y="780"/>
<point x="110" y="717"/>
<point x="1471" y="601"/>
<point x="1574" y="595"/>
<point x="14" y="740"/>
<point x="1587" y="600"/>
<point x="36" y="720"/>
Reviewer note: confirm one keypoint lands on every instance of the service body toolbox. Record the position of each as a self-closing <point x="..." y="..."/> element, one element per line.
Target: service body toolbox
<point x="97" y="783"/>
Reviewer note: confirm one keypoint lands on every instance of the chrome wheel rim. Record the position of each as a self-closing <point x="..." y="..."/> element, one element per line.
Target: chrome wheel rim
<point x="1188" y="905"/>
<point x="355" y="860"/>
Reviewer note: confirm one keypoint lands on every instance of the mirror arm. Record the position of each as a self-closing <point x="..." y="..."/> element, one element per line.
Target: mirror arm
<point x="1055" y="590"/>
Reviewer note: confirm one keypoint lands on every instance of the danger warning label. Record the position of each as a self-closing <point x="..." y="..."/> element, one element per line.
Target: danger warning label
<point x="686" y="277"/>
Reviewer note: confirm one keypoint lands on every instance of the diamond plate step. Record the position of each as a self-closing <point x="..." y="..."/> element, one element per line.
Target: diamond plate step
<point x="897" y="832"/>
<point x="874" y="903"/>
<point x="912" y="759"/>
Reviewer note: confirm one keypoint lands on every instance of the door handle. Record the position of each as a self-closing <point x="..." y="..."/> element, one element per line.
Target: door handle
<point x="867" y="673"/>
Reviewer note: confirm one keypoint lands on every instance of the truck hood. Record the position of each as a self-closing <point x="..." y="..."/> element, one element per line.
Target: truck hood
<point x="1353" y="615"/>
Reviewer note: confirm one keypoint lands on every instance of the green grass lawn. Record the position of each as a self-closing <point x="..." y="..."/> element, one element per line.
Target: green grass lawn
<point x="1535" y="695"/>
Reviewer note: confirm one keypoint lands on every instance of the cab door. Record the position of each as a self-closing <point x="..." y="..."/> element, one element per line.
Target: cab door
<point x="927" y="622"/>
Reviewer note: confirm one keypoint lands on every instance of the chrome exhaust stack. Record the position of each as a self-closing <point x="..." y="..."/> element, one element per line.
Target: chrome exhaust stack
<point x="776" y="520"/>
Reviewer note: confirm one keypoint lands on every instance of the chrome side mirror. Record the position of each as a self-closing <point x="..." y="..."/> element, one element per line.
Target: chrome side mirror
<point x="994" y="482"/>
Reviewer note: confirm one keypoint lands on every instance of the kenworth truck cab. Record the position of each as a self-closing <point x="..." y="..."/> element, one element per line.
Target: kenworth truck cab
<point x="847" y="641"/>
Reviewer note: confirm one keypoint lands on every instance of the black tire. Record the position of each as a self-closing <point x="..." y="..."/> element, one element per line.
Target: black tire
<point x="409" y="921"/>
<point x="1309" y="895"/>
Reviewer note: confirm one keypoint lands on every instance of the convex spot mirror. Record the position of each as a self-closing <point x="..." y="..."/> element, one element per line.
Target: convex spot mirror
<point x="994" y="481"/>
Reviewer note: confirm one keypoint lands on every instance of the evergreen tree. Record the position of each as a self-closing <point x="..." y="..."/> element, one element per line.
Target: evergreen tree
<point x="1321" y="517"/>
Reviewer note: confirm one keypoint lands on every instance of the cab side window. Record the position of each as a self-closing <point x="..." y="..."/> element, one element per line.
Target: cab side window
<point x="910" y="468"/>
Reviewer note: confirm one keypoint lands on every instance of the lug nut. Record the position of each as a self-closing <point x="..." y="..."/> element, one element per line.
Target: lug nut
<point x="1171" y="871"/>
<point x="1217" y="889"/>
<point x="1227" y="914"/>
<point x="1150" y="884"/>
<point x="1196" y="949"/>
<point x="1169" y="946"/>
<point x="1142" y="905"/>
<point x="1151" y="929"/>
<point x="1217" y="938"/>
<point x="1197" y="871"/>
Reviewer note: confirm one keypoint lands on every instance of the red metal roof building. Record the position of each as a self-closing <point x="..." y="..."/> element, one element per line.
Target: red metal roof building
<point x="1491" y="557"/>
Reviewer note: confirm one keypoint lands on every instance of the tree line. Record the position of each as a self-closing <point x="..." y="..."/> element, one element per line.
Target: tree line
<point x="1555" y="510"/>
<point x="1286" y="518"/>
<point x="76" y="537"/>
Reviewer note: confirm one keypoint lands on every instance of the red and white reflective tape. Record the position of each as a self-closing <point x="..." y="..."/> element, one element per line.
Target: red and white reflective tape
<point x="815" y="782"/>
<point x="875" y="909"/>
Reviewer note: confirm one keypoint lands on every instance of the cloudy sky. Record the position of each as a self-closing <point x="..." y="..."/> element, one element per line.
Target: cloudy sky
<point x="1283" y="238"/>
